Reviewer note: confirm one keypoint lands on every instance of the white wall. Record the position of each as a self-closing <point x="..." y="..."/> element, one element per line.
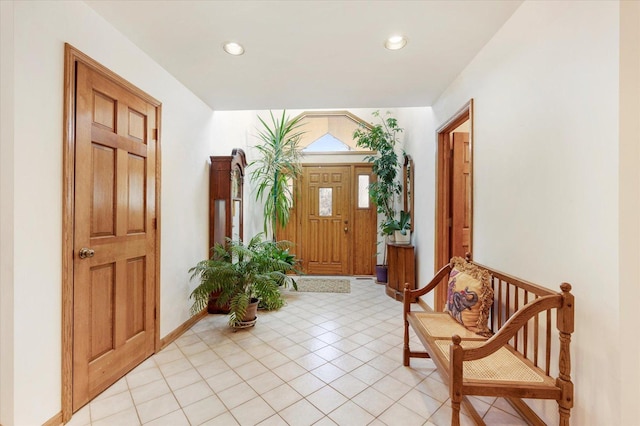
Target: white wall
<point x="6" y="212"/>
<point x="545" y="92"/>
<point x="629" y="228"/>
<point x="40" y="30"/>
<point x="420" y="143"/>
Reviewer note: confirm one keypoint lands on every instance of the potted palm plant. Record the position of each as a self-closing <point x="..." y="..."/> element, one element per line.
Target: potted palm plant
<point x="276" y="168"/>
<point x="382" y="139"/>
<point x="244" y="275"/>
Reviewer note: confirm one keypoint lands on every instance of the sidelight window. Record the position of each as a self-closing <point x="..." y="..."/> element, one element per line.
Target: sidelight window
<point x="363" y="191"/>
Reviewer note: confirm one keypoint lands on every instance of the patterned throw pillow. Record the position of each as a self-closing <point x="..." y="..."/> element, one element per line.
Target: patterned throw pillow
<point x="469" y="296"/>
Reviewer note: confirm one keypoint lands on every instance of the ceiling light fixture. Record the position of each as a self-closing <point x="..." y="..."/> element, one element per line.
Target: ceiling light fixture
<point x="395" y="42"/>
<point x="233" y="48"/>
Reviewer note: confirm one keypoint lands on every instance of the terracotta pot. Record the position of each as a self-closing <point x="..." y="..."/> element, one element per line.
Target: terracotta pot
<point x="252" y="311"/>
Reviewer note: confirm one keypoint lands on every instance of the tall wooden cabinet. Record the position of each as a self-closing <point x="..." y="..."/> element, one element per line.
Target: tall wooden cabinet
<point x="401" y="269"/>
<point x="226" y="181"/>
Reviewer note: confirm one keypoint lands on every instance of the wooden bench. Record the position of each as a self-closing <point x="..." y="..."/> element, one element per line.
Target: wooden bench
<point x="516" y="362"/>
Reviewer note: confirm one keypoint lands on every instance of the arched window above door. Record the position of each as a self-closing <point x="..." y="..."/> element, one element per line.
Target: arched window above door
<point x="329" y="131"/>
<point x="327" y="143"/>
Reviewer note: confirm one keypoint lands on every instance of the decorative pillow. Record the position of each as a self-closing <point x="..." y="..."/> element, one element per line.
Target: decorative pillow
<point x="469" y="296"/>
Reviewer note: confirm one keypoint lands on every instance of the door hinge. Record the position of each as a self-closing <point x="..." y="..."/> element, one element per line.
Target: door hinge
<point x="154" y="223"/>
<point x="154" y="134"/>
<point x="450" y="222"/>
<point x="155" y="313"/>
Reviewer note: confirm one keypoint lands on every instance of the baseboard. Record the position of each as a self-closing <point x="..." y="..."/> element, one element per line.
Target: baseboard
<point x="424" y="305"/>
<point x="527" y="414"/>
<point x="169" y="338"/>
<point x="54" y="421"/>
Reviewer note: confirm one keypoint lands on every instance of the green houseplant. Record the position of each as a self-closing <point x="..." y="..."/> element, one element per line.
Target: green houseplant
<point x="400" y="227"/>
<point x="382" y="139"/>
<point x="276" y="168"/>
<point x="244" y="274"/>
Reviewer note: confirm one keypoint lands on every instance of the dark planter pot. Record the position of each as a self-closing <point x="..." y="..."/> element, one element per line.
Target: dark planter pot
<point x="212" y="305"/>
<point x="381" y="273"/>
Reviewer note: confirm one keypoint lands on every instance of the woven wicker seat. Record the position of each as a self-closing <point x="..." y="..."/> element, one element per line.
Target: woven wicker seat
<point x="440" y="324"/>
<point x="501" y="366"/>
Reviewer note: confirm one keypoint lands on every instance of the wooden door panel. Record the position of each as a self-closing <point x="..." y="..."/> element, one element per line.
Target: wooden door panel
<point x="101" y="310"/>
<point x="136" y="289"/>
<point x="136" y="194"/>
<point x="312" y="251"/>
<point x="104" y="186"/>
<point x="100" y="372"/>
<point x="136" y="125"/>
<point x="114" y="290"/>
<point x="336" y="235"/>
<point x="104" y="110"/>
<point x="461" y="195"/>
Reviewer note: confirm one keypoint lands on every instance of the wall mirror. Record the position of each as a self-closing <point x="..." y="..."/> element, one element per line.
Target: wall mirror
<point x="407" y="187"/>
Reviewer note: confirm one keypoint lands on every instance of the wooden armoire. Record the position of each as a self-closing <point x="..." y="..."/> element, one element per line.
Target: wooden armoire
<point x="226" y="181"/>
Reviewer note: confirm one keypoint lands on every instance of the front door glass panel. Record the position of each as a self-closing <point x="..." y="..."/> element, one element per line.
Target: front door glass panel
<point x="325" y="204"/>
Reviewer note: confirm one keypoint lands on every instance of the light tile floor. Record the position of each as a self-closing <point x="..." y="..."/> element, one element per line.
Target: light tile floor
<point x="323" y="359"/>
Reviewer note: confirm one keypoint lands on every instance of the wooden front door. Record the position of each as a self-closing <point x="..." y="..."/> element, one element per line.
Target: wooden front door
<point x="333" y="220"/>
<point x="326" y="209"/>
<point x="114" y="235"/>
<point x="460" y="195"/>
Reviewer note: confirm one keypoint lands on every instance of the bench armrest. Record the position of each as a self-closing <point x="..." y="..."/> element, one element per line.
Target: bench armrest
<point x="512" y="326"/>
<point x="410" y="295"/>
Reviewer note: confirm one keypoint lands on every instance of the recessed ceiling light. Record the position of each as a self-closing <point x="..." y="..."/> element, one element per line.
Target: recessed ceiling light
<point x="233" y="48"/>
<point x="395" y="42"/>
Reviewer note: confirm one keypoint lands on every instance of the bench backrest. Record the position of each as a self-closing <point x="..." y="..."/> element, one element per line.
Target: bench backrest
<point x="533" y="340"/>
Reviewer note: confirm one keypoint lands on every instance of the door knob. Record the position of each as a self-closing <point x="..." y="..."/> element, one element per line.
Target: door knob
<point x="86" y="252"/>
<point x="346" y="229"/>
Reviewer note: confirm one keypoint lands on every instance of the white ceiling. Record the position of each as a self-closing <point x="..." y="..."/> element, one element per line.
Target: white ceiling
<point x="310" y="54"/>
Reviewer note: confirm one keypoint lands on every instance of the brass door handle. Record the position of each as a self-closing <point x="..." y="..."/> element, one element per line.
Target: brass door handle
<point x="346" y="229"/>
<point x="86" y="252"/>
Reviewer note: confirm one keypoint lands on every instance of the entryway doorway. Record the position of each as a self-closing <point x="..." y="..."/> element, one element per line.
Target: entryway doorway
<point x="110" y="237"/>
<point x="454" y="191"/>
<point x="333" y="221"/>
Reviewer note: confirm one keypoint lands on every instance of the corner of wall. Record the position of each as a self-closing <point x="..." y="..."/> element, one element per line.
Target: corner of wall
<point x="629" y="199"/>
<point x="6" y="212"/>
<point x="420" y="142"/>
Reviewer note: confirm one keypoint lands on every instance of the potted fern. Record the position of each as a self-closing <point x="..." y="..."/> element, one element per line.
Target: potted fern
<point x="244" y="275"/>
<point x="382" y="139"/>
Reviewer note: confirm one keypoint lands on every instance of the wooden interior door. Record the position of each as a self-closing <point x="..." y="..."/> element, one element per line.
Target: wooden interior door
<point x="114" y="300"/>
<point x="327" y="220"/>
<point x="454" y="192"/>
<point x="460" y="195"/>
